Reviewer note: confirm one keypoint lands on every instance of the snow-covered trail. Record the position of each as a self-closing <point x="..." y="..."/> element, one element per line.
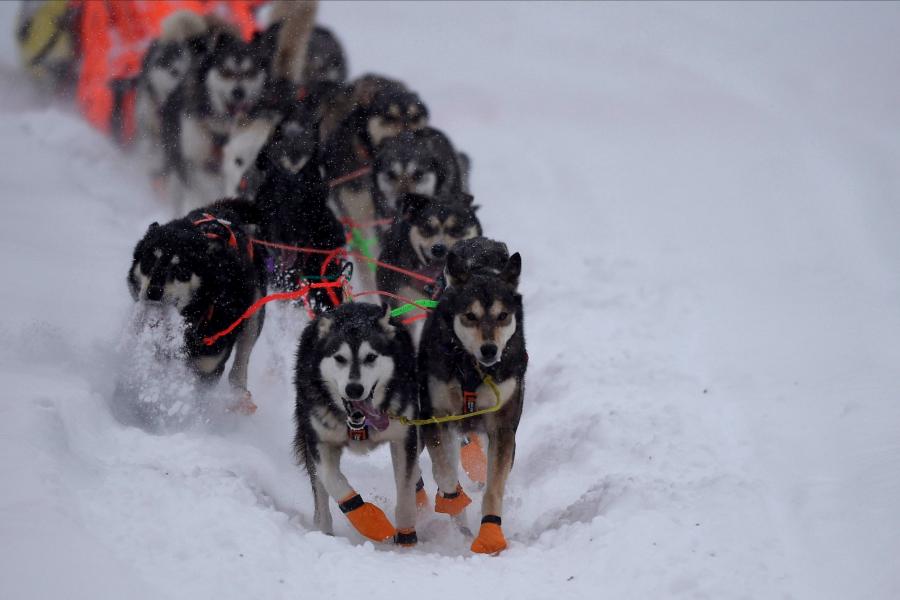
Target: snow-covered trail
<point x="705" y="200"/>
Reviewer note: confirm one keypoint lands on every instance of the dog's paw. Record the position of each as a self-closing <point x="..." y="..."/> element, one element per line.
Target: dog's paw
<point x="490" y="538"/>
<point x="406" y="538"/>
<point x="474" y="461"/>
<point x="244" y="405"/>
<point x="369" y="520"/>
<point x="453" y="503"/>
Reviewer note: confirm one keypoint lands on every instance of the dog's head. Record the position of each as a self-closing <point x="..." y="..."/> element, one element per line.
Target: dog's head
<point x="293" y="145"/>
<point x="238" y="71"/>
<point x="358" y="349"/>
<point x="479" y="255"/>
<point x="325" y="59"/>
<point x="485" y="308"/>
<point x="404" y="165"/>
<point x="436" y="224"/>
<point x="393" y="110"/>
<point x="167" y="266"/>
<point x="166" y="65"/>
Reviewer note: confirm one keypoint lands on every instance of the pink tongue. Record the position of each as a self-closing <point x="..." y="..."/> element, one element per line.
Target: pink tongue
<point x="375" y="418"/>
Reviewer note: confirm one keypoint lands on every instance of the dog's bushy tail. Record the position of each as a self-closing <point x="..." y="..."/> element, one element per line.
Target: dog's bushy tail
<point x="297" y="19"/>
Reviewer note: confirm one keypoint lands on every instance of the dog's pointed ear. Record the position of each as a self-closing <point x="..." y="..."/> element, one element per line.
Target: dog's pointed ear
<point x="468" y="200"/>
<point x="456" y="271"/>
<point x="512" y="270"/>
<point x="412" y="204"/>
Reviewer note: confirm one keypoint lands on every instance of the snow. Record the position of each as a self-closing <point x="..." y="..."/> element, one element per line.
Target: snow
<point x="705" y="199"/>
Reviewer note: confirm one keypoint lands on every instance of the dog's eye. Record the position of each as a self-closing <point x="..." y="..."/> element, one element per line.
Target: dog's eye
<point x="392" y="176"/>
<point x="503" y="317"/>
<point x="341" y="360"/>
<point x="417" y="175"/>
<point x="239" y="161"/>
<point x="181" y="273"/>
<point x="370" y="358"/>
<point x="470" y="316"/>
<point x="428" y="230"/>
<point x="456" y="232"/>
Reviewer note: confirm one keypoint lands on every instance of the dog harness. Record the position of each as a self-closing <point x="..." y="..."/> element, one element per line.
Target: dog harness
<point x="215" y="228"/>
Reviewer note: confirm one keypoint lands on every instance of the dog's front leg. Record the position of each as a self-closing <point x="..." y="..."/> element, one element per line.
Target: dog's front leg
<point x="441" y="443"/>
<point x="237" y="377"/>
<point x="404" y="456"/>
<point x="322" y="514"/>
<point x="501" y="449"/>
<point x="368" y="519"/>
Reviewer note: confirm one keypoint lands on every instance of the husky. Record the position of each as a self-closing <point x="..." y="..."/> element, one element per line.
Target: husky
<point x="325" y="58"/>
<point x="292" y="199"/>
<point x="355" y="376"/>
<point x="204" y="266"/>
<point x="228" y="87"/>
<point x="476" y="332"/>
<point x="420" y="238"/>
<point x="168" y="61"/>
<point x="415" y="162"/>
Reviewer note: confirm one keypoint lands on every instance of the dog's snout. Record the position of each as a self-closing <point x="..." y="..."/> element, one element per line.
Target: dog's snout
<point x="238" y="94"/>
<point x="155" y="293"/>
<point x="488" y="351"/>
<point x="438" y="250"/>
<point x="354" y="391"/>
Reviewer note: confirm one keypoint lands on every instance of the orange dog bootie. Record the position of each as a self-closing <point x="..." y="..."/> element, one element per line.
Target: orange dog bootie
<point x="490" y="538"/>
<point x="367" y="518"/>
<point x="474" y="461"/>
<point x="453" y="503"/>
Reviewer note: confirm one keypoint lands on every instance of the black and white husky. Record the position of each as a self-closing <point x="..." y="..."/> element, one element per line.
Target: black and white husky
<point x="204" y="266"/>
<point x="168" y="62"/>
<point x="476" y="331"/>
<point x="355" y="373"/>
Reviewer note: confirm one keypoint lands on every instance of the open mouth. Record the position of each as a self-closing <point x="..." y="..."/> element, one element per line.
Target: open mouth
<point x="363" y="412"/>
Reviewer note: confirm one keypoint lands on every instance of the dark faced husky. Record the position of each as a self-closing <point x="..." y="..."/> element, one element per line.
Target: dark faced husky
<point x="355" y="374"/>
<point x="415" y="162"/>
<point x="205" y="267"/>
<point x="420" y="238"/>
<point x="476" y="332"/>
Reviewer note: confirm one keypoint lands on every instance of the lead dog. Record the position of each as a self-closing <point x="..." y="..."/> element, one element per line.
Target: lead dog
<point x="355" y="367"/>
<point x="475" y="332"/>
